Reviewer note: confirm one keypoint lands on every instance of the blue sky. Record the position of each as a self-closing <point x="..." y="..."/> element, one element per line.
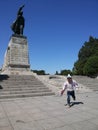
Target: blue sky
<point x="55" y="30"/>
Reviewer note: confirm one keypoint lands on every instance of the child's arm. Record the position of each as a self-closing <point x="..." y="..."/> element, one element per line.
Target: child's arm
<point x="64" y="88"/>
<point x="62" y="91"/>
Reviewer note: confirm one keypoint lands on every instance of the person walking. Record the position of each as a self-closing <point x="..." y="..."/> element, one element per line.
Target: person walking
<point x="70" y="86"/>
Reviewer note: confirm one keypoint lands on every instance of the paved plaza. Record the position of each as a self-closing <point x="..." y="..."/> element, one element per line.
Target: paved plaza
<point x="50" y="113"/>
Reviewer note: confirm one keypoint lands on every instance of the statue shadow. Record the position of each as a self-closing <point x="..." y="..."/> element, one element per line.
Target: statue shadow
<point x="3" y="77"/>
<point x="76" y="103"/>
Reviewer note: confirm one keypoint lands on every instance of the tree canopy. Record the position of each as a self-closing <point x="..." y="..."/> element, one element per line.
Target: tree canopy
<point x="87" y="63"/>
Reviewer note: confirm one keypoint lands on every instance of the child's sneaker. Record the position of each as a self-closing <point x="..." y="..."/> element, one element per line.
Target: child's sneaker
<point x="69" y="106"/>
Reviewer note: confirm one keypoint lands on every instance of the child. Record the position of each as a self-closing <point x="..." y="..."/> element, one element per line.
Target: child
<point x="69" y="85"/>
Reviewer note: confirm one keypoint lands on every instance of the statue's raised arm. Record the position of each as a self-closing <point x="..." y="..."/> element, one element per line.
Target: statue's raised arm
<point x="19" y="23"/>
<point x="20" y="10"/>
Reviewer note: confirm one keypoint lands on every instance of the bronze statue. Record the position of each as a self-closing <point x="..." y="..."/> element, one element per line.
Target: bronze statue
<point x="18" y="25"/>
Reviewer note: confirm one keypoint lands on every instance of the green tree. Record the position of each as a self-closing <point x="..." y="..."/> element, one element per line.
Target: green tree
<point x="56" y="73"/>
<point x="89" y="49"/>
<point x="91" y="66"/>
<point x="65" y="72"/>
<point x="78" y="67"/>
<point x="39" y="72"/>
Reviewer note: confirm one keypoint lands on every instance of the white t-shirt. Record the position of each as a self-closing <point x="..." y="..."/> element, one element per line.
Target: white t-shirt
<point x="70" y="86"/>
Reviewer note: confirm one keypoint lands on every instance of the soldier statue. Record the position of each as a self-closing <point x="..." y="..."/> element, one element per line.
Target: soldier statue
<point x="18" y="25"/>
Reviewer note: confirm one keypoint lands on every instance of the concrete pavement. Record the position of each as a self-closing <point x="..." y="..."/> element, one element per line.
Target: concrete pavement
<point x="49" y="113"/>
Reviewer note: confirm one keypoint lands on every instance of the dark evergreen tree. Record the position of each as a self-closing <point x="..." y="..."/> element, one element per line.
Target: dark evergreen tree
<point x="91" y="66"/>
<point x="89" y="49"/>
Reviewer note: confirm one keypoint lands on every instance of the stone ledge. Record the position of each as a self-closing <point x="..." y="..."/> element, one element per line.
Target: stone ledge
<point x="20" y="36"/>
<point x="19" y="65"/>
<point x="16" y="72"/>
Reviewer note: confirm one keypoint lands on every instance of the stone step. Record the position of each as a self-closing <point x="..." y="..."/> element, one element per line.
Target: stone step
<point x="17" y="78"/>
<point x="23" y="91"/>
<point x="95" y="89"/>
<point x="26" y="95"/>
<point x="22" y="86"/>
<point x="91" y="83"/>
<point x="25" y="88"/>
<point x="20" y="81"/>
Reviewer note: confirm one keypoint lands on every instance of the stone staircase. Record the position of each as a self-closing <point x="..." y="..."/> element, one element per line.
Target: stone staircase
<point x="86" y="84"/>
<point x="91" y="83"/>
<point x="16" y="86"/>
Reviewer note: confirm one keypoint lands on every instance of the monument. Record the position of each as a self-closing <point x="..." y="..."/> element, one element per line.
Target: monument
<point x="18" y="24"/>
<point x="16" y="60"/>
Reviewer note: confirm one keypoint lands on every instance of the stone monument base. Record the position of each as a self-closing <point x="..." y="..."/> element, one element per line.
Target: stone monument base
<point x="16" y="60"/>
<point x="13" y="72"/>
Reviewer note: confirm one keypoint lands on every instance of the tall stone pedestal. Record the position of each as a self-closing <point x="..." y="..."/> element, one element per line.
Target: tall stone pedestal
<point x="16" y="60"/>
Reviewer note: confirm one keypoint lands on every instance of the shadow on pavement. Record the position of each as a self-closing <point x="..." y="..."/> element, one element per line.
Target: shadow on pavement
<point x="76" y="103"/>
